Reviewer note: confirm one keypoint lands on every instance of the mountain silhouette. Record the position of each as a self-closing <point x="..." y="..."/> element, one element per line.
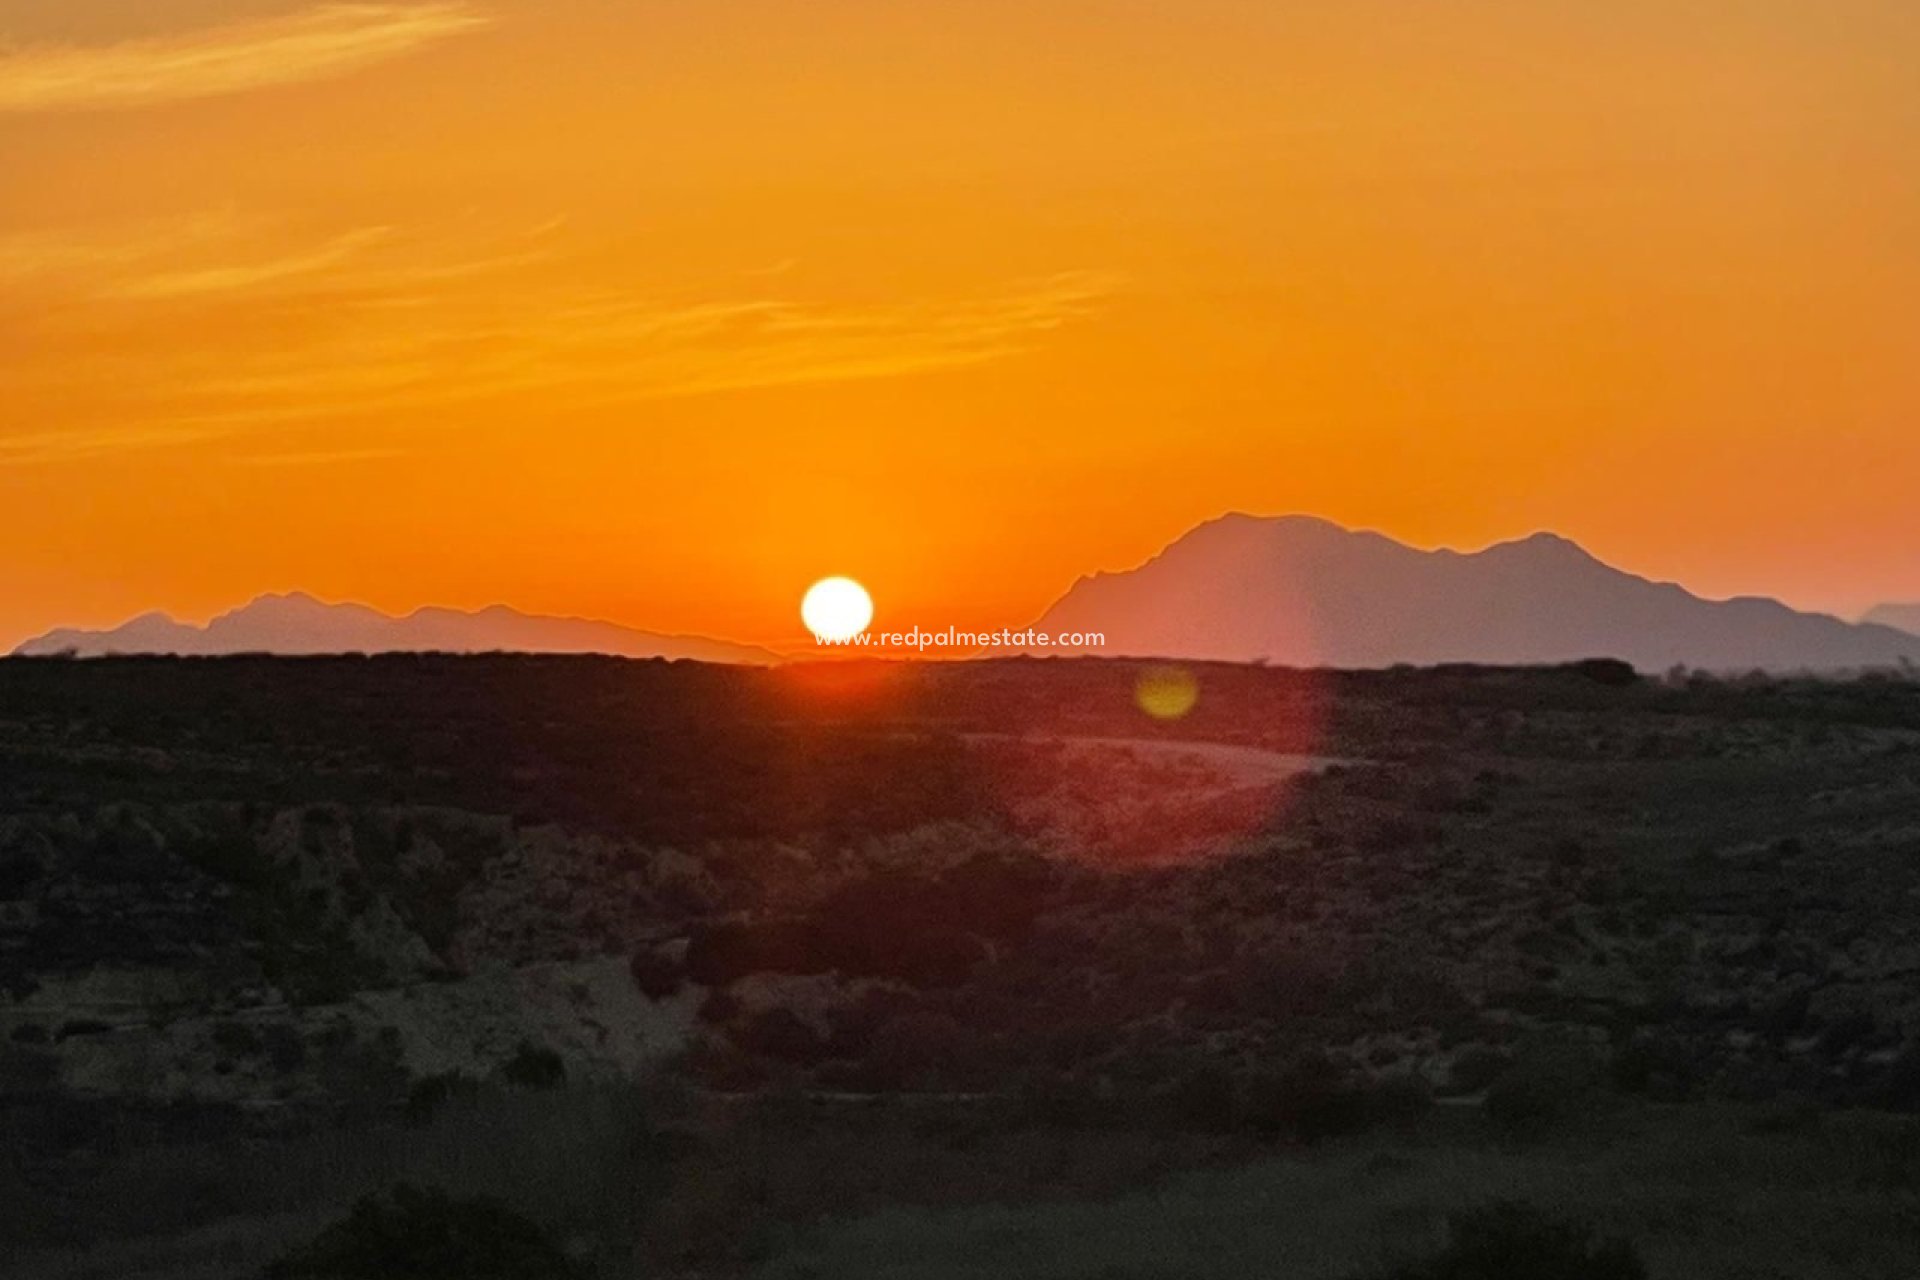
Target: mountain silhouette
<point x="299" y="624"/>
<point x="1301" y="591"/>
<point x="1901" y="617"/>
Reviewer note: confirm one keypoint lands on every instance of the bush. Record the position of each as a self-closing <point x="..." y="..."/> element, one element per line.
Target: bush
<point x="1899" y="1088"/>
<point x="919" y="931"/>
<point x="19" y="868"/>
<point x="1474" y="1068"/>
<point x="1059" y="1102"/>
<point x="534" y="1067"/>
<point x="1205" y="1098"/>
<point x="1545" y="1084"/>
<point x="715" y="1062"/>
<point x="918" y="1046"/>
<point x="1848" y="1031"/>
<point x="1891" y="1158"/>
<point x="782" y="1035"/>
<point x="81" y="1027"/>
<point x="282" y="1044"/>
<point x="1314" y="1099"/>
<point x="1655" y="1065"/>
<point x="1507" y="1241"/>
<point x="236" y="1039"/>
<point x="430" y="1093"/>
<point x="656" y="974"/>
<point x="1611" y="672"/>
<point x="413" y="1234"/>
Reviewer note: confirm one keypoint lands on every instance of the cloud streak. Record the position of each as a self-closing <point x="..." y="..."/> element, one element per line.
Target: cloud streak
<point x="174" y="334"/>
<point x="595" y="353"/>
<point x="315" y="44"/>
<point x="228" y="279"/>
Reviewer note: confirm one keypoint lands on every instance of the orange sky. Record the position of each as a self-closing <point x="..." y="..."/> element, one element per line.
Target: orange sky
<point x="657" y="310"/>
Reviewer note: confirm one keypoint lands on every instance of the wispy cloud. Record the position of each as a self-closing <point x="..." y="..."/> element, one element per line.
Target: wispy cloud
<point x="173" y="335"/>
<point x="214" y="255"/>
<point x="606" y="350"/>
<point x="64" y="256"/>
<point x="317" y="457"/>
<point x="240" y="276"/>
<point x="64" y="443"/>
<point x="315" y="44"/>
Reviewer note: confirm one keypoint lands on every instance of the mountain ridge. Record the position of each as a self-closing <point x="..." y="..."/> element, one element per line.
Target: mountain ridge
<point x="1305" y="591"/>
<point x="1901" y="617"/>
<point x="297" y="623"/>
<point x="1298" y="590"/>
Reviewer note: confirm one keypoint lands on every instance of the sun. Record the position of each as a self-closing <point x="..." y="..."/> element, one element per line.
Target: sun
<point x="836" y="609"/>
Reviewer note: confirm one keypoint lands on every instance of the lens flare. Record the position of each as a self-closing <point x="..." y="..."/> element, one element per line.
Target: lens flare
<point x="1166" y="693"/>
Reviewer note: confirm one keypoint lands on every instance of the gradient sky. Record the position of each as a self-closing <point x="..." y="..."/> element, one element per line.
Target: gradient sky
<point x="657" y="310"/>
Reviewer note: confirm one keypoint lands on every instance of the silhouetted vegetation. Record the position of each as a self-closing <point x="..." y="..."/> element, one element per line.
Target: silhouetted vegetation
<point x="1509" y="1241"/>
<point x="415" y="1234"/>
<point x="534" y="1067"/>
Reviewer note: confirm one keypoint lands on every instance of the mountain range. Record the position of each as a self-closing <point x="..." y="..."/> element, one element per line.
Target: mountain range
<point x="1301" y="591"/>
<point x="1901" y="617"/>
<point x="299" y="624"/>
<point x="1291" y="590"/>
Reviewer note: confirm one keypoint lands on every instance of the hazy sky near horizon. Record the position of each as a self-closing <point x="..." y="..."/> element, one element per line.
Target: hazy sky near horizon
<point x="657" y="310"/>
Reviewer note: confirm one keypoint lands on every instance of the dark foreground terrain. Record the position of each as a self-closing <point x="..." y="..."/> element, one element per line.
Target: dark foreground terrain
<point x="954" y="970"/>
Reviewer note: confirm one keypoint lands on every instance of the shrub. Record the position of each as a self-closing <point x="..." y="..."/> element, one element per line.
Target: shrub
<point x="1205" y="1098"/>
<point x="284" y="1048"/>
<point x="1848" y="1031"/>
<point x="720" y="1007"/>
<point x="1786" y="1014"/>
<point x="1475" y="1068"/>
<point x="1313" y="1099"/>
<point x="19" y="868"/>
<point x="1508" y="1241"/>
<point x="236" y="1039"/>
<point x="782" y="1035"/>
<point x="27" y="1071"/>
<point x="908" y="929"/>
<point x="910" y="1049"/>
<point x="717" y="1063"/>
<point x="81" y="1027"/>
<point x="1899" y="1088"/>
<point x="1610" y="672"/>
<point x="1657" y="1065"/>
<point x="1545" y="1084"/>
<point x="430" y="1093"/>
<point x="1059" y="1102"/>
<point x="533" y="1066"/>
<point x="426" y="1235"/>
<point x="363" y="1078"/>
<point x="656" y="974"/>
<point x="1891" y="1158"/>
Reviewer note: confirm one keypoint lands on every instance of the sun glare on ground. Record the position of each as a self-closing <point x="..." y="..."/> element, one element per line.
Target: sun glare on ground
<point x="836" y="609"/>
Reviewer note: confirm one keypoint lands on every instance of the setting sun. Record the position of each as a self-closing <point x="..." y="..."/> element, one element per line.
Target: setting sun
<point x="836" y="609"/>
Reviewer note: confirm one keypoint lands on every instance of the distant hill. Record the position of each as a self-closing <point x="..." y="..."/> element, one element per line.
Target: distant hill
<point x="1901" y="617"/>
<point x="1300" y="591"/>
<point x="300" y="624"/>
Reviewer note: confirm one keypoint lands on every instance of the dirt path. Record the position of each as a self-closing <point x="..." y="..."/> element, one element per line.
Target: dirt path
<point x="1243" y="766"/>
